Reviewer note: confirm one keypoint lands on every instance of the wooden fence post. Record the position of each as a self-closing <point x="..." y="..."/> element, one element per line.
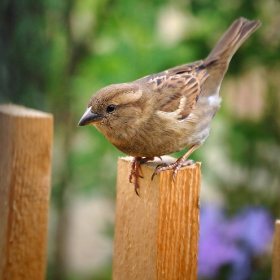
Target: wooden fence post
<point x="276" y="252"/>
<point x="156" y="234"/>
<point x="25" y="160"/>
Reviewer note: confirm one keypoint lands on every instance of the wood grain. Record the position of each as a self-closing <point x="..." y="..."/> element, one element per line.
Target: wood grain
<point x="25" y="148"/>
<point x="276" y="252"/>
<point x="156" y="234"/>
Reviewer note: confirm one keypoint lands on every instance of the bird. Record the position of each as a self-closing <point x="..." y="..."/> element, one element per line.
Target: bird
<point x="166" y="112"/>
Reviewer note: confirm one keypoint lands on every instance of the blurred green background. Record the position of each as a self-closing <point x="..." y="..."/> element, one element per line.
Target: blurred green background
<point x="55" y="54"/>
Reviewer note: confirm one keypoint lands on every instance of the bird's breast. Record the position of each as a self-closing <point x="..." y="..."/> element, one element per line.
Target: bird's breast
<point x="162" y="133"/>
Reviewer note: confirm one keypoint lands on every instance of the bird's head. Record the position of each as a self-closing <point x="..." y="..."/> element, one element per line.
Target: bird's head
<point x="112" y="107"/>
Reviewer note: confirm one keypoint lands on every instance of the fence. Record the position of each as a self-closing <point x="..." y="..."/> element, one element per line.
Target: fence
<point x="156" y="235"/>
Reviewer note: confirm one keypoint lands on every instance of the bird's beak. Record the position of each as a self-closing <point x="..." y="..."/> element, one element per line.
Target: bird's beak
<point x="89" y="117"/>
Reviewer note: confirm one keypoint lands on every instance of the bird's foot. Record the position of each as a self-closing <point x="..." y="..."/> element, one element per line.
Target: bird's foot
<point x="181" y="162"/>
<point x="135" y="171"/>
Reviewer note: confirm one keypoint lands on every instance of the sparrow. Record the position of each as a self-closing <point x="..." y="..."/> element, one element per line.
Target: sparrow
<point x="166" y="112"/>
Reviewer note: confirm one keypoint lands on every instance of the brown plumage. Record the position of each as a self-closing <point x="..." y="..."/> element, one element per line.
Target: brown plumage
<point x="166" y="112"/>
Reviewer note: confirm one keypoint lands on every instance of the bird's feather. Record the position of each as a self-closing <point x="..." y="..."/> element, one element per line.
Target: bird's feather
<point x="178" y="88"/>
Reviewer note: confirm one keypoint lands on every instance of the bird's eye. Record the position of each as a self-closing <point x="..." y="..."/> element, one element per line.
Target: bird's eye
<point x="111" y="108"/>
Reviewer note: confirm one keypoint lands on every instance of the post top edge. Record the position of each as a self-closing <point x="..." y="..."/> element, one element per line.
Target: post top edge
<point x="21" y="111"/>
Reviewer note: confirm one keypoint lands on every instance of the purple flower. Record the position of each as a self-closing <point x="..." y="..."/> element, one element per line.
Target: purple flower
<point x="252" y="227"/>
<point x="233" y="241"/>
<point x="215" y="249"/>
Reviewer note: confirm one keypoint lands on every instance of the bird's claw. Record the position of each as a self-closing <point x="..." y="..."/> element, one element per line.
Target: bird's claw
<point x="135" y="171"/>
<point x="136" y="188"/>
<point x="181" y="162"/>
<point x="159" y="168"/>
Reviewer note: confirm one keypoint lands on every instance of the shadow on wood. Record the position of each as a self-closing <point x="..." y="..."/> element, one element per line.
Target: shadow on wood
<point x="156" y="234"/>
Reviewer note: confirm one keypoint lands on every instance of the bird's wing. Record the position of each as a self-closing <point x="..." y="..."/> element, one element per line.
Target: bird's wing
<point x="178" y="88"/>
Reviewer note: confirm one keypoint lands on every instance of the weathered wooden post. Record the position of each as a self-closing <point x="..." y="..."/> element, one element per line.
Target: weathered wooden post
<point x="276" y="252"/>
<point x="156" y="234"/>
<point x="25" y="165"/>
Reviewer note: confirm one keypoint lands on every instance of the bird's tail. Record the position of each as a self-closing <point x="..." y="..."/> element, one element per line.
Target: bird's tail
<point x="217" y="61"/>
<point x="238" y="32"/>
